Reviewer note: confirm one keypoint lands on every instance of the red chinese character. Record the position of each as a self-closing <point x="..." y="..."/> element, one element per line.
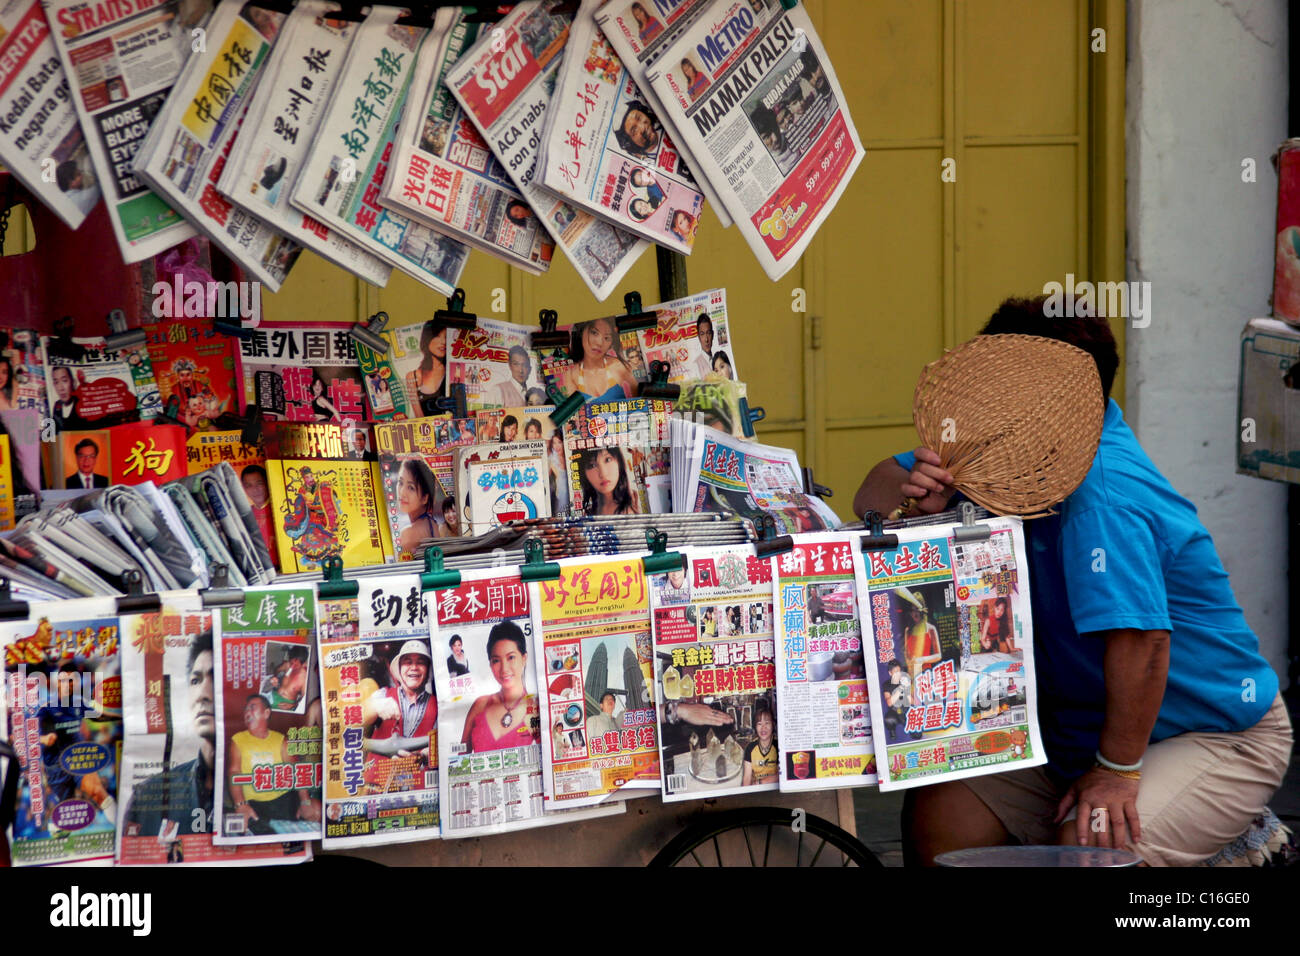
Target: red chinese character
<point x="945" y="680"/>
<point x="284" y="776"/>
<point x="952" y="713"/>
<point x="758" y="570"/>
<point x="319" y="229"/>
<point x="627" y="741"/>
<point x="905" y="562"/>
<point x="346" y="393"/>
<point x="349" y="674"/>
<point x="598" y="745"/>
<point x="745" y="678"/>
<point x="879" y="566"/>
<point x="915" y="720"/>
<point x="366" y="219"/>
<point x="704" y="683"/>
<point x="933" y="716"/>
<point x="931" y="557"/>
<point x="352" y="715"/>
<point x="764" y="676"/>
<point x="726" y="681"/>
<point x="215" y="207"/>
<point x="264" y="778"/>
<point x="645" y="737"/>
<point x="924" y="689"/>
<point x="611" y="741"/>
<point x="304" y="775"/>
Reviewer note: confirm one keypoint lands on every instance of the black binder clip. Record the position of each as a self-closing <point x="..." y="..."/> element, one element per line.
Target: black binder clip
<point x="436" y="575"/>
<point x="11" y="610"/>
<point x="119" y="336"/>
<point x="455" y="316"/>
<point x="368" y="335"/>
<point x="136" y="601"/>
<point x="969" y="529"/>
<point x="770" y="543"/>
<point x="749" y="417"/>
<point x="61" y="344"/>
<point x="219" y="593"/>
<point x="548" y="337"/>
<point x="636" y="317"/>
<point x="660" y="559"/>
<point x="457" y="403"/>
<point x="333" y="585"/>
<point x="536" y="567"/>
<point x="249" y="425"/>
<point x="875" y="539"/>
<point x="565" y="408"/>
<point x="659" y="386"/>
<point x="811" y="487"/>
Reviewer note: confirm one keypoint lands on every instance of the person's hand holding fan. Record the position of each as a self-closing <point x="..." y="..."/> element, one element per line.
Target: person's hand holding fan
<point x="1015" y="419"/>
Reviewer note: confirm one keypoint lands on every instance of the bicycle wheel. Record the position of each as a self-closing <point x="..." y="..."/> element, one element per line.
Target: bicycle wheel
<point x="763" y="836"/>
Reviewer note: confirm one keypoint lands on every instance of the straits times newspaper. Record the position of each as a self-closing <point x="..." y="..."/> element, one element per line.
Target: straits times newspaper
<point x="758" y="104"/>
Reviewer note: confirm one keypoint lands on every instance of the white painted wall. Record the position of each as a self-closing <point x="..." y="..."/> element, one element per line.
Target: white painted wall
<point x="1207" y="87"/>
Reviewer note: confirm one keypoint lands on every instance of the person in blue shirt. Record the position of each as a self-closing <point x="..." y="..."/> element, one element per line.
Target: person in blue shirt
<point x="1162" y="723"/>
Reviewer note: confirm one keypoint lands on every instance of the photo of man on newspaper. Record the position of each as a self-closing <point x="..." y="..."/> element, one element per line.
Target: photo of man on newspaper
<point x="789" y="109"/>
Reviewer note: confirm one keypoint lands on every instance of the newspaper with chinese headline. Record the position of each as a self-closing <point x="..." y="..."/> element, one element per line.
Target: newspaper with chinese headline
<point x="281" y="118"/>
<point x="40" y="139"/>
<point x="504" y="84"/>
<point x="300" y="373"/>
<point x="92" y="386"/>
<point x="821" y="679"/>
<point x="594" y="622"/>
<point x="689" y="334"/>
<point x="952" y="673"/>
<point x="715" y="669"/>
<point x="753" y="93"/>
<point x="121" y="60"/>
<point x="348" y="160"/>
<point x="495" y="363"/>
<point x="490" y="763"/>
<point x="381" y="731"/>
<point x="169" y="781"/>
<point x="444" y="174"/>
<point x="605" y="150"/>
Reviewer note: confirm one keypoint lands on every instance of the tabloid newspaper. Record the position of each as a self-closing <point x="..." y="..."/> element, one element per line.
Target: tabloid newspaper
<point x="715" y="667"/>
<point x="466" y="491"/>
<point x="409" y="379"/>
<point x="824" y="722"/>
<point x="26" y="388"/>
<point x="40" y="140"/>
<point x="489" y="724"/>
<point x="640" y="32"/>
<point x="619" y="457"/>
<point x="269" y="718"/>
<point x="716" y="403"/>
<point x="605" y="150"/>
<point x="121" y="59"/>
<point x="596" y="681"/>
<point x="417" y="482"/>
<point x="504" y="82"/>
<point x="756" y="99"/>
<point x="445" y="175"/>
<point x="92" y="386"/>
<point x="168" y="779"/>
<point x="300" y="373"/>
<point x="503" y="489"/>
<point x="348" y="160"/>
<point x="281" y="119"/>
<point x="690" y="335"/>
<point x="495" y="364"/>
<point x="62" y="692"/>
<point x="952" y="673"/>
<point x="194" y="366"/>
<point x="381" y="731"/>
<point x="182" y="156"/>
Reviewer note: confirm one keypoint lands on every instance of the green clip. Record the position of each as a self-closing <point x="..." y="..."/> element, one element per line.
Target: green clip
<point x="435" y="573"/>
<point x="636" y="317"/>
<point x="875" y="539"/>
<point x="658" y="386"/>
<point x="565" y="408"/>
<point x="536" y="567"/>
<point x="333" y="586"/>
<point x="660" y="559"/>
<point x="789" y="4"/>
<point x="770" y="543"/>
<point x="455" y="315"/>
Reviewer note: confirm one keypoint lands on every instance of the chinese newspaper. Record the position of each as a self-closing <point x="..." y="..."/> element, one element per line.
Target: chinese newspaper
<point x="495" y="364"/>
<point x="715" y="667"/>
<point x="504" y="83"/>
<point x="381" y="736"/>
<point x="300" y="373"/>
<point x="194" y="366"/>
<point x="952" y="676"/>
<point x="63" y="695"/>
<point x="754" y="95"/>
<point x="268" y="719"/>
<point x="825" y="720"/>
<point x="689" y="335"/>
<point x="596" y="682"/>
<point x="93" y="386"/>
<point x="121" y="60"/>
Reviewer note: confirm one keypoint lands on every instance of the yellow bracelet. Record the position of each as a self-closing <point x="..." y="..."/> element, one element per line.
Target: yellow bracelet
<point x="1126" y="774"/>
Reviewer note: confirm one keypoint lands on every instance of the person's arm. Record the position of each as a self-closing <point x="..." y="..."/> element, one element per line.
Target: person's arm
<point x="242" y="806"/>
<point x="887" y="484"/>
<point x="468" y="732"/>
<point x="393" y="746"/>
<point x="747" y="777"/>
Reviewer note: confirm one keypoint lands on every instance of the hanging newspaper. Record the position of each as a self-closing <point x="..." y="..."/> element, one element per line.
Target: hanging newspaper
<point x="495" y="364"/>
<point x="754" y="94"/>
<point x="268" y="719"/>
<point x="22" y="349"/>
<point x="282" y="116"/>
<point x="169" y="779"/>
<point x="40" y="140"/>
<point x="690" y="335"/>
<point x="639" y="37"/>
<point x="490" y="761"/>
<point x="504" y="83"/>
<point x="594" y="619"/>
<point x="605" y="150"/>
<point x="62" y="691"/>
<point x="349" y="155"/>
<point x="381" y="741"/>
<point x="715" y="668"/>
<point x="825" y="718"/>
<point x="952" y="676"/>
<point x="182" y="156"/>
<point x="296" y="372"/>
<point x="122" y="59"/>
<point x="444" y="174"/>
<point x="92" y="386"/>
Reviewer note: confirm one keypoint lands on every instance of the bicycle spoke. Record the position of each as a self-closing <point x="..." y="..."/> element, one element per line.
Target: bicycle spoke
<point x="767" y="844"/>
<point x="748" y="849"/>
<point x="717" y="851"/>
<point x="820" y="847"/>
<point x="696" y="859"/>
<point x="798" y="850"/>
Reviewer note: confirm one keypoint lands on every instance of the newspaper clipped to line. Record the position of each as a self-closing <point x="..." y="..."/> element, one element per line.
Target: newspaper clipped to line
<point x="349" y="156"/>
<point x="504" y="82"/>
<point x="40" y="139"/>
<point x="605" y="150"/>
<point x="690" y="335"/>
<point x="444" y="174"/>
<point x="756" y="99"/>
<point x="951" y="671"/>
<point x="640" y="32"/>
<point x="122" y="59"/>
<point x="495" y="363"/>
<point x="183" y="153"/>
<point x="281" y="119"/>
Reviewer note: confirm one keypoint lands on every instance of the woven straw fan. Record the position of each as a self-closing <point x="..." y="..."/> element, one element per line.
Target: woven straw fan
<point x="1015" y="418"/>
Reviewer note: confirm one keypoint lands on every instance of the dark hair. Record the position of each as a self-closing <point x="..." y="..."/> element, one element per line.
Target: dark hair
<point x="719" y="354"/>
<point x="516" y="219"/>
<point x="520" y="350"/>
<point x="508" y="421"/>
<point x="65" y="172"/>
<point x="892" y="664"/>
<point x="200" y="644"/>
<point x="253" y="469"/>
<point x="765" y="123"/>
<point x="67" y="371"/>
<point x="531" y="423"/>
<point x="703" y="317"/>
<point x="638" y="6"/>
<point x="622" y="493"/>
<point x="427" y="334"/>
<point x="576" y="351"/>
<point x="252" y="697"/>
<point x="424" y="478"/>
<point x="448" y="504"/>
<point x="625" y="141"/>
<point x="1018" y="316"/>
<point x="608" y="693"/>
<point x="535" y="391"/>
<point x="84" y="443"/>
<point x="456" y="639"/>
<point x="8" y="388"/>
<point x="507" y="631"/>
<point x="298" y="654"/>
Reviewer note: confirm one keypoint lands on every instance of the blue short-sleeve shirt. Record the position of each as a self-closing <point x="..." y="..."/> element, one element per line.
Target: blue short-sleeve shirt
<point x="1128" y="551"/>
